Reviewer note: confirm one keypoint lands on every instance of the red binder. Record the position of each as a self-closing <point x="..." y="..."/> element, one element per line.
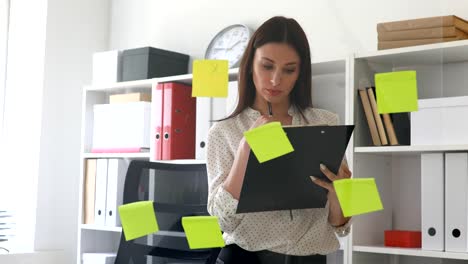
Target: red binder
<point x="158" y="99"/>
<point x="178" y="110"/>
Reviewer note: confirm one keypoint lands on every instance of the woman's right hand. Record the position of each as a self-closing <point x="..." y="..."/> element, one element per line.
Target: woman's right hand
<point x="263" y="119"/>
<point x="233" y="182"/>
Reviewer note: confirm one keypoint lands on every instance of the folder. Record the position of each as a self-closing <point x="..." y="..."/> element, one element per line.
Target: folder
<point x="158" y="108"/>
<point x="432" y="201"/>
<point x="203" y="124"/>
<point x="366" y="106"/>
<point x="101" y="190"/>
<point x="209" y="110"/>
<point x="456" y="202"/>
<point x="178" y="122"/>
<point x="116" y="171"/>
<point x="284" y="182"/>
<point x="377" y="117"/>
<point x="174" y="110"/>
<point x="402" y="126"/>
<point x="89" y="191"/>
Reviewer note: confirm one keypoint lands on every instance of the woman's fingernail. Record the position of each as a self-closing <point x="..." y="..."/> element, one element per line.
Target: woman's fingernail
<point x="313" y="178"/>
<point x="322" y="167"/>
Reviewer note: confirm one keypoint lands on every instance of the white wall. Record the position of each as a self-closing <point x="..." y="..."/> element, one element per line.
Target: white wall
<point x="48" y="88"/>
<point x="334" y="27"/>
<point x="4" y="14"/>
<point x="75" y="29"/>
<point x="20" y="163"/>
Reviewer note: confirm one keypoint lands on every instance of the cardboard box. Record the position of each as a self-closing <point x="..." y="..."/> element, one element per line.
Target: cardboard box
<point x="427" y="22"/>
<point x="421" y="31"/>
<point x="129" y="97"/>
<point x="382" y="45"/>
<point x="440" y="121"/>
<point x="121" y="127"/>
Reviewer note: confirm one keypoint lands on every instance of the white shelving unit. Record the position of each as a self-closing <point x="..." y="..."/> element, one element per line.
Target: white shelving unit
<point x="442" y="71"/>
<point x="331" y="89"/>
<point x="94" y="238"/>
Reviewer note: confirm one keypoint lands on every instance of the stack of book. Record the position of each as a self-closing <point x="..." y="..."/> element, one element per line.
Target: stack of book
<point x="421" y="31"/>
<point x="385" y="129"/>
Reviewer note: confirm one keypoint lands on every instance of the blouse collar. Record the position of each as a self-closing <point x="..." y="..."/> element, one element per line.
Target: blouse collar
<point x="292" y="111"/>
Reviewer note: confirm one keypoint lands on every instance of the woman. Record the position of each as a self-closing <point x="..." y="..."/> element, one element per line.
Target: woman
<point x="274" y="85"/>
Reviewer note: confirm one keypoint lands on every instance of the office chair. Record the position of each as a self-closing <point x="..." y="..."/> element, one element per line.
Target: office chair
<point x="177" y="190"/>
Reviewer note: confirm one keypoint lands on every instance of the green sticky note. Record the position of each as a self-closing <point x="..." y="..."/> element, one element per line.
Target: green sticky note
<point x="357" y="196"/>
<point x="138" y="219"/>
<point x="397" y="92"/>
<point x="210" y="78"/>
<point x="202" y="232"/>
<point x="268" y="141"/>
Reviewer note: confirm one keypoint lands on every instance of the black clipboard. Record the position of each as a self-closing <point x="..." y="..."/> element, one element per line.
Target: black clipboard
<point x="284" y="183"/>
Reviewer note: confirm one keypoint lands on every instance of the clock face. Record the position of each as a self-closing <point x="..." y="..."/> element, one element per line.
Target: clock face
<point x="229" y="44"/>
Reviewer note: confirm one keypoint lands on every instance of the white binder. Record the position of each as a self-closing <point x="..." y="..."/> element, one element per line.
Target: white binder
<point x="456" y="202"/>
<point x="208" y="110"/>
<point x="101" y="189"/>
<point x="432" y="201"/>
<point x="116" y="171"/>
<point x="203" y="124"/>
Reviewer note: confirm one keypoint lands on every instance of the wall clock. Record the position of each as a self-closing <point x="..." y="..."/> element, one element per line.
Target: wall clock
<point x="229" y="44"/>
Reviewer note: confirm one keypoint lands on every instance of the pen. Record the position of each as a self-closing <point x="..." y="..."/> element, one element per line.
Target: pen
<point x="270" y="110"/>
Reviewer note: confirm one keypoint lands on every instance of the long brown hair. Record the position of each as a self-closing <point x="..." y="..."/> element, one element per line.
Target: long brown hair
<point x="277" y="29"/>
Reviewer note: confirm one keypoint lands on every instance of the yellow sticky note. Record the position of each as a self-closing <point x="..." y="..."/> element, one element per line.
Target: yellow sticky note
<point x="202" y="232"/>
<point x="138" y="219"/>
<point x="210" y="78"/>
<point x="268" y="141"/>
<point x="357" y="196"/>
<point x="397" y="92"/>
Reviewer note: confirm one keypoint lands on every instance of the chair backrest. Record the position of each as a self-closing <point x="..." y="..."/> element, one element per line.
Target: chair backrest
<point x="177" y="190"/>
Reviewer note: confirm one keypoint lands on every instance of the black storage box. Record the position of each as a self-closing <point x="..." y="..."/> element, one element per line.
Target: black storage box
<point x="149" y="62"/>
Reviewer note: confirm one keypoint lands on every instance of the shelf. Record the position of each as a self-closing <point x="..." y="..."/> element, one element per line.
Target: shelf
<point x="101" y="228"/>
<point x="411" y="149"/>
<point x="336" y="65"/>
<point x="410" y="252"/>
<point x="138" y="155"/>
<point x="447" y="52"/>
<point x="187" y="78"/>
<point x="139" y="84"/>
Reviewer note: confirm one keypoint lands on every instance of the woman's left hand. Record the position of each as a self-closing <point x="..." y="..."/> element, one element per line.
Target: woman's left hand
<point x="335" y="216"/>
<point x="343" y="173"/>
